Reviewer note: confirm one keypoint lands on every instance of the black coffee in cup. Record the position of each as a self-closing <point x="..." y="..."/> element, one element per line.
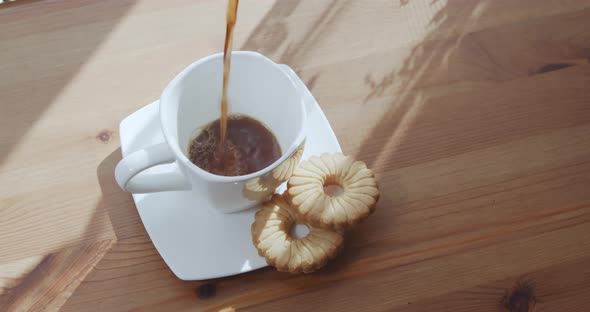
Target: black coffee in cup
<point x="249" y="147"/>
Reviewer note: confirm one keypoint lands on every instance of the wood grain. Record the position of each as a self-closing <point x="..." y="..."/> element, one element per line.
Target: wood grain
<point x="52" y="280"/>
<point x="473" y="113"/>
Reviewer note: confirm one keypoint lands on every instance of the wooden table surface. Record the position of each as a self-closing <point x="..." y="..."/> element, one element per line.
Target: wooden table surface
<point x="475" y="115"/>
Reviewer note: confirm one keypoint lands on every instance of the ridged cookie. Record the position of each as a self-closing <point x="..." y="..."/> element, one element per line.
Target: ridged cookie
<point x="307" y="196"/>
<point x="271" y="234"/>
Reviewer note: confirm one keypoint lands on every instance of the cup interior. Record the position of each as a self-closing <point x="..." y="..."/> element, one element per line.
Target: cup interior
<point x="257" y="87"/>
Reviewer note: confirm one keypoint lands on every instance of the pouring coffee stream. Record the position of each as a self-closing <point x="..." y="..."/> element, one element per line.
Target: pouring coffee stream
<point x="232" y="10"/>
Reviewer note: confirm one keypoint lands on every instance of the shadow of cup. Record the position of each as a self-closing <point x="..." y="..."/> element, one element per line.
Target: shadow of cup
<point x="118" y="204"/>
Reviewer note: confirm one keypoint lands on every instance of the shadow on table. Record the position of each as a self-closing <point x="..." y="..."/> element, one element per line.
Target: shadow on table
<point x="59" y="53"/>
<point x="461" y="52"/>
<point x="457" y="65"/>
<point x="272" y="37"/>
<point x="117" y="203"/>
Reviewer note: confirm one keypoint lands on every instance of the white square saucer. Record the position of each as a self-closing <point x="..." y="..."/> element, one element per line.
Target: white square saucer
<point x="198" y="242"/>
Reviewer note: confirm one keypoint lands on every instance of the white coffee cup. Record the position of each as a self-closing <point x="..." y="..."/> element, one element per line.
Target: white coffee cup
<point x="270" y="93"/>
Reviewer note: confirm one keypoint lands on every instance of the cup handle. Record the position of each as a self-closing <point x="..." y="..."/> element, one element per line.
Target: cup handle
<point x="131" y="178"/>
<point x="308" y="98"/>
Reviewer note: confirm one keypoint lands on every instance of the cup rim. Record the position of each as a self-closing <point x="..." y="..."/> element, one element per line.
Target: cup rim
<point x="175" y="146"/>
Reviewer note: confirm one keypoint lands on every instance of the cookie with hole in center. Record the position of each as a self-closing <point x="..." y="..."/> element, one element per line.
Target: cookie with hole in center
<point x="310" y="196"/>
<point x="273" y="238"/>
